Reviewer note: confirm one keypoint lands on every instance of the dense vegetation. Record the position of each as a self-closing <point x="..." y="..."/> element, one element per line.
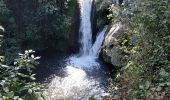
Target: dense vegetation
<point x="30" y="24"/>
<point x="17" y="81"/>
<point x="36" y="24"/>
<point x="146" y="62"/>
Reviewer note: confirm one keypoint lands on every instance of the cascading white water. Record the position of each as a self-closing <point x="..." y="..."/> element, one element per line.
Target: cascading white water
<point x="85" y="26"/>
<point x="94" y="51"/>
<point x="89" y="60"/>
<point x="86" y="48"/>
<point x="77" y="85"/>
<point x="88" y="53"/>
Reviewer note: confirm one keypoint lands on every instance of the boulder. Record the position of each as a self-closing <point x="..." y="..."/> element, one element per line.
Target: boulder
<point x="110" y="51"/>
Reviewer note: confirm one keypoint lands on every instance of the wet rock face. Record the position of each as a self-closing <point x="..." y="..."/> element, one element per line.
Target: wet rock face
<point x="100" y="14"/>
<point x="74" y="30"/>
<point x="102" y="4"/>
<point x="110" y="51"/>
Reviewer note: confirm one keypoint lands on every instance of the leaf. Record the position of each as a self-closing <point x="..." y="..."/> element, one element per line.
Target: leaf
<point x="32" y="77"/>
<point x="22" y="75"/>
<point x="36" y="58"/>
<point x="45" y="94"/>
<point x="15" y="63"/>
<point x="163" y="73"/>
<point x="2" y="83"/>
<point x="4" y="66"/>
<point x="141" y="86"/>
<point x="162" y="84"/>
<point x="6" y="89"/>
<point x="30" y="91"/>
<point x="147" y="84"/>
<point x="20" y="99"/>
<point x="124" y="41"/>
<point x="32" y="56"/>
<point x="168" y="83"/>
<point x="11" y="94"/>
<point x="20" y="54"/>
<point x="159" y="88"/>
<point x="16" y="97"/>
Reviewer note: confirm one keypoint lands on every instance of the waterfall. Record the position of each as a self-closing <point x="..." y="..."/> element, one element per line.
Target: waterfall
<point x="88" y="51"/>
<point x="86" y="48"/>
<point x="85" y="26"/>
<point x="77" y="85"/>
<point x="94" y="51"/>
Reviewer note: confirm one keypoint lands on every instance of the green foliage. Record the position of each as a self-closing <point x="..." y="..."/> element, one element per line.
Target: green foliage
<point x="3" y="9"/>
<point x="17" y="81"/>
<point x="101" y="13"/>
<point x="146" y="62"/>
<point x="91" y="98"/>
<point x="36" y="24"/>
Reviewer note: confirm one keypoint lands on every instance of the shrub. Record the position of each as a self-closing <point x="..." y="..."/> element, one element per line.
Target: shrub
<point x="146" y="69"/>
<point x="17" y="81"/>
